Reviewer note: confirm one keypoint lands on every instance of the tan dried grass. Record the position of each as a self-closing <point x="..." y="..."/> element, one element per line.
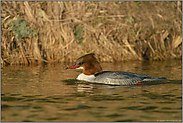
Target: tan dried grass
<point x="105" y="29"/>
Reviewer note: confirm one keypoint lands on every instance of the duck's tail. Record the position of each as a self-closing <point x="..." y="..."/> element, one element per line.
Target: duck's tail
<point x="154" y="79"/>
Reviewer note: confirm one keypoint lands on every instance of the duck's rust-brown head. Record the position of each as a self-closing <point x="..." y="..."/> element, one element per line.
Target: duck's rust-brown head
<point x="88" y="63"/>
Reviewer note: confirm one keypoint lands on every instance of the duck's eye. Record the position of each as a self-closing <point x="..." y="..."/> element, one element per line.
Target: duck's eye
<point x="80" y="63"/>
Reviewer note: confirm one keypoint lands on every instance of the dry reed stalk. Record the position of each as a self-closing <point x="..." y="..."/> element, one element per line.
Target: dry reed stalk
<point x="177" y="42"/>
<point x="162" y="38"/>
<point x="36" y="51"/>
<point x="150" y="46"/>
<point x="2" y="63"/>
<point x="130" y="48"/>
<point x="24" y="60"/>
<point x="28" y="11"/>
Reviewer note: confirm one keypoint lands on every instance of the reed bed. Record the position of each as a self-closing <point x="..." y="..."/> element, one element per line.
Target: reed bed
<point x="61" y="31"/>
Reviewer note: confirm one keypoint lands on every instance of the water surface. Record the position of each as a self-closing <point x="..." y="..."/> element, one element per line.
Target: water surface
<point x="50" y="93"/>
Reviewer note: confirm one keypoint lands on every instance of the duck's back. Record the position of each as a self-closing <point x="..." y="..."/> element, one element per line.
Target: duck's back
<point x="122" y="78"/>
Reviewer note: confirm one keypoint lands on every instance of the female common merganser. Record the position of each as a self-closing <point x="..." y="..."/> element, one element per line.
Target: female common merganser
<point x="92" y="72"/>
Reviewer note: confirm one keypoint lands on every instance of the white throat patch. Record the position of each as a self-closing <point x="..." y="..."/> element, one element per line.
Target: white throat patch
<point x="80" y="68"/>
<point x="84" y="77"/>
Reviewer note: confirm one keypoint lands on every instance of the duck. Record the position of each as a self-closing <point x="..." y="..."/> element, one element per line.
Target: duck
<point x="92" y="72"/>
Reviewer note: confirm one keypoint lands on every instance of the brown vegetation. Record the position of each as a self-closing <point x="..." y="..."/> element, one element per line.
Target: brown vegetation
<point x="62" y="31"/>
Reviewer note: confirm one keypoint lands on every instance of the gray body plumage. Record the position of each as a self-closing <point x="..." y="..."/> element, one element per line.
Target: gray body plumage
<point x="122" y="78"/>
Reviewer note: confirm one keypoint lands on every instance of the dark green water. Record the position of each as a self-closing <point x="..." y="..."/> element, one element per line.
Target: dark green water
<point x="50" y="93"/>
